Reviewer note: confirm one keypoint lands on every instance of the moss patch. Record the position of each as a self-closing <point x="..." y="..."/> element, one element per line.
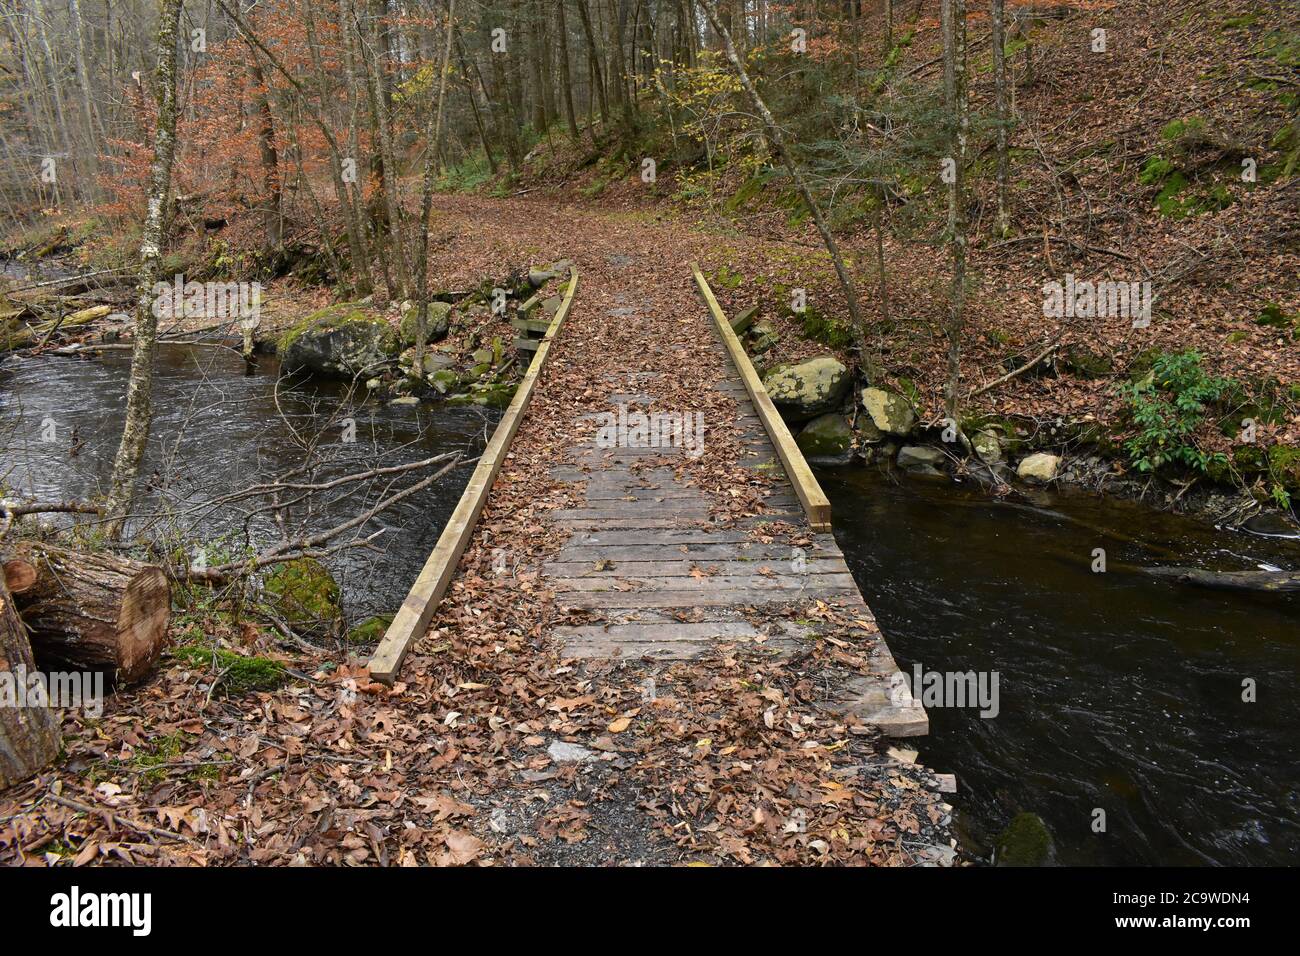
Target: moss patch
<point x="306" y="594"/>
<point x="371" y="630"/>
<point x="238" y="674"/>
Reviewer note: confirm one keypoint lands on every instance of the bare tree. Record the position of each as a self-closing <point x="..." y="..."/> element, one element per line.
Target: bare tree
<point x="139" y="391"/>
<point x="954" y="62"/>
<point x="426" y="200"/>
<point x="1000" y="105"/>
<point x="777" y="140"/>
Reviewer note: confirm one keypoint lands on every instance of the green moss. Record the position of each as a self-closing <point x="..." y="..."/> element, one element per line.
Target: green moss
<point x="748" y="191"/>
<point x="1274" y="317"/>
<point x="1250" y="460"/>
<point x="1167" y="201"/>
<point x="306" y="594"/>
<point x="157" y="752"/>
<point x="727" y="278"/>
<point x="237" y="674"/>
<point x="370" y="630"/>
<point x="1284" y="467"/>
<point x="337" y="314"/>
<point x="1025" y="842"/>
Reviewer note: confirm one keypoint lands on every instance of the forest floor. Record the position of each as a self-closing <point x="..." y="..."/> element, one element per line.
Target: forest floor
<point x="726" y="759"/>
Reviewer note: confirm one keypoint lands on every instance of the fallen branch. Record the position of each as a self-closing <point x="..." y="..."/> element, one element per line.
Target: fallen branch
<point x="116" y="818"/>
<point x="1015" y="372"/>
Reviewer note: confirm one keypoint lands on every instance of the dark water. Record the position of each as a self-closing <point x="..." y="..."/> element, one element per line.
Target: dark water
<point x="218" y="429"/>
<point x="1118" y="691"/>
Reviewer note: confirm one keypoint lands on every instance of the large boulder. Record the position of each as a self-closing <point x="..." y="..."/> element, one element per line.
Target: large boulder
<point x="809" y="389"/>
<point x="342" y="341"/>
<point x="827" y="438"/>
<point x="891" y="413"/>
<point x="436" y="326"/>
<point x="1039" y="467"/>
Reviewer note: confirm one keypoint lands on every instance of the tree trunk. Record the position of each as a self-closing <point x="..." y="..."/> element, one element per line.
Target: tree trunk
<point x="1000" y="105"/>
<point x="593" y="56"/>
<point x="95" y="612"/>
<point x="274" y="214"/>
<point x="959" y="120"/>
<point x="29" y="736"/>
<point x="426" y="202"/>
<point x="139" y="390"/>
<point x="566" y="82"/>
<point x="778" y="143"/>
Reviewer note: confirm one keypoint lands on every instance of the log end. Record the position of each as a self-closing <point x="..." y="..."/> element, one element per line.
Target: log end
<point x="19" y="575"/>
<point x="142" y="624"/>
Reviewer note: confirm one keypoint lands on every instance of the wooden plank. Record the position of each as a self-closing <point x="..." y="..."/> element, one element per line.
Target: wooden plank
<point x="668" y="650"/>
<point x="687" y="599"/>
<point x="413" y="617"/>
<point x="657" y="568"/>
<point x="708" y="553"/>
<point x="815" y="502"/>
<point x="531" y="325"/>
<point x="634" y="583"/>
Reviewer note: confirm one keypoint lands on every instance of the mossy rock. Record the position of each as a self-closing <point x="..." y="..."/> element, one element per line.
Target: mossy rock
<point x="1250" y="460"/>
<point x="371" y="630"/>
<point x="826" y="439"/>
<point x="434" y="361"/>
<point x="1025" y="842"/>
<point x="340" y="341"/>
<point x="808" y="389"/>
<point x="1142" y="364"/>
<point x="437" y="325"/>
<point x="497" y="395"/>
<point x="306" y="595"/>
<point x="891" y="413"/>
<point x="238" y="674"/>
<point x="444" y="381"/>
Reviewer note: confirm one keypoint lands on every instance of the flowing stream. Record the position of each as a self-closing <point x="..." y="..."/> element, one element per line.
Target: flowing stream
<point x="219" y="427"/>
<point x="1117" y="690"/>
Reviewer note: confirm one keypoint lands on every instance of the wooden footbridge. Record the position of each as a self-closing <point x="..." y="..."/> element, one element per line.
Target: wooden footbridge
<point x="643" y="524"/>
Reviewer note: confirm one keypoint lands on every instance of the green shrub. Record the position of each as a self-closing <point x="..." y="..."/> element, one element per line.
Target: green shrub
<point x="1166" y="408"/>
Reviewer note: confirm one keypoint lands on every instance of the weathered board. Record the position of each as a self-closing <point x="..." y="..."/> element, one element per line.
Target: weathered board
<point x="797" y="471"/>
<point x="413" y="617"/>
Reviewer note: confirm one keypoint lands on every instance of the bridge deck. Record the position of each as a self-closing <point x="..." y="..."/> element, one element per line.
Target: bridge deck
<point x="646" y="573"/>
<point x="664" y="585"/>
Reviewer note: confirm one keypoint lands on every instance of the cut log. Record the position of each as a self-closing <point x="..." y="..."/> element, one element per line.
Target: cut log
<point x="96" y="612"/>
<point x="29" y="736"/>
